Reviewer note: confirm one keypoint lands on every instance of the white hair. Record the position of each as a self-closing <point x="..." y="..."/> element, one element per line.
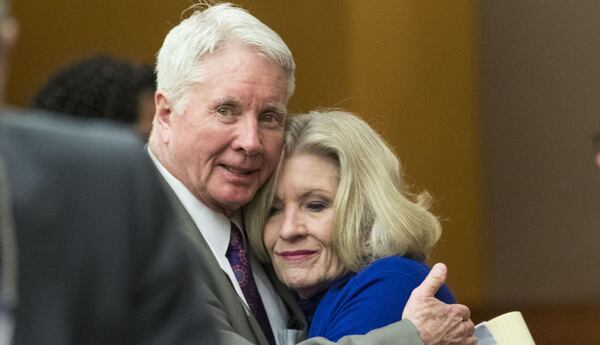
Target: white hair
<point x="208" y="30"/>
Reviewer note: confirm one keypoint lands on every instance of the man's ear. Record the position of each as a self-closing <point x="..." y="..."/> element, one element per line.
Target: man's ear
<point x="163" y="115"/>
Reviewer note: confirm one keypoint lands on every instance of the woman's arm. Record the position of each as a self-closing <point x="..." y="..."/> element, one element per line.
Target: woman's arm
<point x="371" y="299"/>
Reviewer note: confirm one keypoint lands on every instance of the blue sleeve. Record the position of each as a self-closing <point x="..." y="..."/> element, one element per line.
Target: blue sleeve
<point x="376" y="297"/>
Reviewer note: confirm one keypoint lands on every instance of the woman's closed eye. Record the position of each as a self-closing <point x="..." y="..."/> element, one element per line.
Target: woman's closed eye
<point x="274" y="210"/>
<point x="317" y="206"/>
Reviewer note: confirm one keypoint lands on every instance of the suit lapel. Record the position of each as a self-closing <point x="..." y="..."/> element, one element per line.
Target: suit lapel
<point x="296" y="319"/>
<point x="206" y="266"/>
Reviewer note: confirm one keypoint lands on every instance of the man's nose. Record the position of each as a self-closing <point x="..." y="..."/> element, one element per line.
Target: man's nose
<point x="248" y="137"/>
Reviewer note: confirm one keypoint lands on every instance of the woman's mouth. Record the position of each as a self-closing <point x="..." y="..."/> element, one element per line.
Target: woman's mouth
<point x="297" y="255"/>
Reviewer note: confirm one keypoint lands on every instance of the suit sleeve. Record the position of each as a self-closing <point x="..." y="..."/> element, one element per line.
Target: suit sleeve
<point x="398" y="333"/>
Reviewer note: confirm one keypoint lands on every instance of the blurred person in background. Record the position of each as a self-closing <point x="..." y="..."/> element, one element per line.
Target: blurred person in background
<point x="102" y="87"/>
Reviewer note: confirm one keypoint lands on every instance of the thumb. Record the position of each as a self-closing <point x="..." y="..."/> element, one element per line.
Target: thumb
<point x="432" y="283"/>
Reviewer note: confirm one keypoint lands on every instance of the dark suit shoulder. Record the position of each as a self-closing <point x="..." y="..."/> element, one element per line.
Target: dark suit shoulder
<point x="61" y="137"/>
<point x="100" y="257"/>
<point x="54" y="157"/>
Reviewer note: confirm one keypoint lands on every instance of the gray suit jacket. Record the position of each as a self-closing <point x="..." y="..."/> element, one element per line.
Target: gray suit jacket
<point x="237" y="327"/>
<point x="99" y="257"/>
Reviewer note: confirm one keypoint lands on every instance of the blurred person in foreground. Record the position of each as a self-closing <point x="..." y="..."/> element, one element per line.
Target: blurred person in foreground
<point x="101" y="86"/>
<point x="90" y="251"/>
<point x="223" y="84"/>
<point x="340" y="228"/>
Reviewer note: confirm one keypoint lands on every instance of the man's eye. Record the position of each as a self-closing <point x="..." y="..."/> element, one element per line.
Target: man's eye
<point x="271" y="119"/>
<point x="225" y="111"/>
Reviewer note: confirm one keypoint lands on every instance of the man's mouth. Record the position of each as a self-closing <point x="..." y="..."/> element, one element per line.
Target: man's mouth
<point x="238" y="171"/>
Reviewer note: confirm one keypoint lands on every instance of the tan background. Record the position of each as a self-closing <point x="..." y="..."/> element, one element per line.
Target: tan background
<point x="490" y="106"/>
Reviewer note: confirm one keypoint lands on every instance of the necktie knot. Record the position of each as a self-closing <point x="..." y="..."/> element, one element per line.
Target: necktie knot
<point x="238" y="257"/>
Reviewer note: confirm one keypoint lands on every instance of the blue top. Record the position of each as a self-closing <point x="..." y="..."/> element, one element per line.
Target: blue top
<point x="372" y="298"/>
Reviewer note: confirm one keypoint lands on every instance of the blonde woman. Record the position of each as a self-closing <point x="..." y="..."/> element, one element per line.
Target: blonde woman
<point x="340" y="228"/>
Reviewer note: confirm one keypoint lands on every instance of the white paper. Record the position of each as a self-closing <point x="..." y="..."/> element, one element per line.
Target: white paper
<point x="483" y="335"/>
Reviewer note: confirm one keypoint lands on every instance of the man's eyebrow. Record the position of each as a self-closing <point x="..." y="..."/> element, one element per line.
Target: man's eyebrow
<point x="228" y="101"/>
<point x="277" y="107"/>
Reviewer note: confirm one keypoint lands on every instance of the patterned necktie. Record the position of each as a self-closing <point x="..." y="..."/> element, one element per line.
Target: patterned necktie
<point x="240" y="263"/>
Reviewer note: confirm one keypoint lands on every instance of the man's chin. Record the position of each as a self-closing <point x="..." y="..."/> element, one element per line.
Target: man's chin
<point x="231" y="196"/>
<point x="234" y="202"/>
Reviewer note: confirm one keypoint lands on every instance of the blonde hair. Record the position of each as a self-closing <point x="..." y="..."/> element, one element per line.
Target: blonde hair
<point x="375" y="214"/>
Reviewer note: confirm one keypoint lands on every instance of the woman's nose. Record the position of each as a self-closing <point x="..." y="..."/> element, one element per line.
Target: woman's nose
<point x="292" y="226"/>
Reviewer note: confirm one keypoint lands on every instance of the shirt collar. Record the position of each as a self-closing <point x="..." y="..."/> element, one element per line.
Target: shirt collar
<point x="214" y="226"/>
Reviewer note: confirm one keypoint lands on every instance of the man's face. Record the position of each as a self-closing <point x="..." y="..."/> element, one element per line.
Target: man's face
<point x="228" y="138"/>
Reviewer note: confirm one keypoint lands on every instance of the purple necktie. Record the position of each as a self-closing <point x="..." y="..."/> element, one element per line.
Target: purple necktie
<point x="240" y="263"/>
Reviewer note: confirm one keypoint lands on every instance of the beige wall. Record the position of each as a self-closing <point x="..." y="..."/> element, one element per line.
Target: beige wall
<point x="53" y="33"/>
<point x="409" y="67"/>
<point x="542" y="86"/>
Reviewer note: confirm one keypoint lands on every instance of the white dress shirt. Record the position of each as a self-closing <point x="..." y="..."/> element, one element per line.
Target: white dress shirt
<point x="215" y="227"/>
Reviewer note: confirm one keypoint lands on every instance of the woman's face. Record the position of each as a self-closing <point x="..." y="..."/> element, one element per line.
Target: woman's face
<point x="298" y="231"/>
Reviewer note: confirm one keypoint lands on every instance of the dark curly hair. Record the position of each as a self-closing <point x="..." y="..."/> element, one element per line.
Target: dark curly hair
<point x="97" y="87"/>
